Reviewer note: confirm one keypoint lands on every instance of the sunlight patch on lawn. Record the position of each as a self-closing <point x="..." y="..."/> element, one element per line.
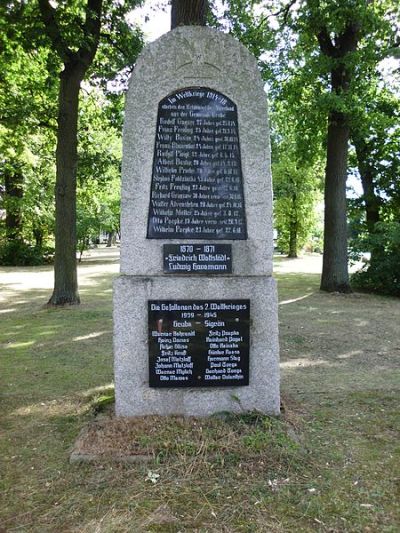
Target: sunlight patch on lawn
<point x="108" y="387"/>
<point x="361" y="323"/>
<point x="51" y="408"/>
<point x="90" y="336"/>
<point x="305" y="362"/>
<point x="296" y="299"/>
<point x="350" y="354"/>
<point x="14" y="345"/>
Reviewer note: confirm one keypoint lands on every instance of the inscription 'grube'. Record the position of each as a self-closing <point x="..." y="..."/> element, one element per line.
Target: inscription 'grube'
<point x="197" y="188"/>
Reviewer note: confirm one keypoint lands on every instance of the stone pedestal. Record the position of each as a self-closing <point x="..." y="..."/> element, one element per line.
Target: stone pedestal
<point x="135" y="397"/>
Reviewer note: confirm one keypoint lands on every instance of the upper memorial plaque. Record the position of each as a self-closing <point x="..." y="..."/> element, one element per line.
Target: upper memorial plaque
<point x="196" y="188"/>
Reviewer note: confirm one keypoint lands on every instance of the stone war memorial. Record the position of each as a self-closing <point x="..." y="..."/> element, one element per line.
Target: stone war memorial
<point x="195" y="304"/>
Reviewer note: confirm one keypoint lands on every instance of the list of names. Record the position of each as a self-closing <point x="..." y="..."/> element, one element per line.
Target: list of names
<point x="198" y="343"/>
<point x="197" y="189"/>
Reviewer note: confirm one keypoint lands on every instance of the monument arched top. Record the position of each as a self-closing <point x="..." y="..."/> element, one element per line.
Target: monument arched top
<point x="195" y="56"/>
<point x="198" y="55"/>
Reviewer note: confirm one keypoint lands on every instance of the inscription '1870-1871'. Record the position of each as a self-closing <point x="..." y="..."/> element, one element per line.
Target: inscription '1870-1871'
<point x="197" y="188"/>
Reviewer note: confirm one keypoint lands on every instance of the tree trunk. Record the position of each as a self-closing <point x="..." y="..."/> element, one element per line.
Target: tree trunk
<point x="13" y="195"/>
<point x="367" y="174"/>
<point x="76" y="62"/>
<point x="110" y="239"/>
<point x="38" y="236"/>
<point x="188" y="13"/>
<point x="372" y="201"/>
<point x="65" y="267"/>
<point x="335" y="277"/>
<point x="293" y="226"/>
<point x="292" y="243"/>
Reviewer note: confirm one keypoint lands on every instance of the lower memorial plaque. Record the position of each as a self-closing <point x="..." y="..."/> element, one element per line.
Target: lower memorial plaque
<point x="199" y="343"/>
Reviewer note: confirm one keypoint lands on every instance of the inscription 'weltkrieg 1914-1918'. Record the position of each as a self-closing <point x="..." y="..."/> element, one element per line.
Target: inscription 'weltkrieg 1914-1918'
<point x="197" y="189"/>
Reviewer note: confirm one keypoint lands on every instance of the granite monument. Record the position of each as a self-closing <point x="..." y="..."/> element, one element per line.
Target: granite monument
<point x="195" y="305"/>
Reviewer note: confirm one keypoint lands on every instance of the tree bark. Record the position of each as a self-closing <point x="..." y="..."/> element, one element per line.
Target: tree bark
<point x="367" y="174"/>
<point x="335" y="276"/>
<point x="76" y="64"/>
<point x="188" y="13"/>
<point x="110" y="239"/>
<point x="293" y="230"/>
<point x="372" y="201"/>
<point x="13" y="195"/>
<point x="292" y="243"/>
<point x="38" y="236"/>
<point x="65" y="271"/>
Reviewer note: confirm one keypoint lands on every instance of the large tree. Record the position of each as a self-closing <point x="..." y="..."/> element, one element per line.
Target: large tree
<point x="188" y="12"/>
<point x="319" y="54"/>
<point x="27" y="91"/>
<point x="76" y="60"/>
<point x="337" y="47"/>
<point x="75" y="32"/>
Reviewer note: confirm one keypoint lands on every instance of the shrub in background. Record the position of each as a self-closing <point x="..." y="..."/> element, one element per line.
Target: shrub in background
<point x="381" y="274"/>
<point x="19" y="253"/>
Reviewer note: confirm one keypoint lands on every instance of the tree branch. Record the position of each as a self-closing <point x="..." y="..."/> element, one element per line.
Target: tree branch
<point x="111" y="41"/>
<point x="347" y="41"/>
<point x="91" y="30"/>
<point x="285" y="11"/>
<point x="325" y="43"/>
<point x="53" y="30"/>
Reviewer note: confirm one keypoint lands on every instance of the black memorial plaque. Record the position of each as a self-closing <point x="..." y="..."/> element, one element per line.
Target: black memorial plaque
<point x="197" y="258"/>
<point x="197" y="186"/>
<point x="199" y="343"/>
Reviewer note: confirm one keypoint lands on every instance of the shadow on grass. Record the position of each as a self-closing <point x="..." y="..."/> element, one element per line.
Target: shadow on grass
<point x="46" y="352"/>
<point x="333" y="342"/>
<point x="329" y="342"/>
<point x="56" y="361"/>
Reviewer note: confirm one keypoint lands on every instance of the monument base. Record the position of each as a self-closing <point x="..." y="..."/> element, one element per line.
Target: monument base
<point x="134" y="396"/>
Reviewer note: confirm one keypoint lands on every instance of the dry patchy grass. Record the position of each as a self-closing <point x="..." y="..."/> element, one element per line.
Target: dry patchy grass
<point x="329" y="464"/>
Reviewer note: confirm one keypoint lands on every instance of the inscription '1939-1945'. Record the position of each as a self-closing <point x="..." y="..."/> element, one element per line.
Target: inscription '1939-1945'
<point x="197" y="189"/>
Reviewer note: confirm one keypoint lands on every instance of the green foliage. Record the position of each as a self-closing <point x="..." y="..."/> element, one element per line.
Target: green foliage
<point x="247" y="22"/>
<point x="381" y="274"/>
<point x="286" y="39"/>
<point x="19" y="253"/>
<point x="296" y="195"/>
<point x="297" y="180"/>
<point x="98" y="171"/>
<point x="29" y="83"/>
<point x="28" y="162"/>
<point x="119" y="45"/>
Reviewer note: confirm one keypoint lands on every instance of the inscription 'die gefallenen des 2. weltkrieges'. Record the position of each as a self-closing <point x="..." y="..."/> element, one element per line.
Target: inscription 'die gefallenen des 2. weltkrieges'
<point x="197" y="189"/>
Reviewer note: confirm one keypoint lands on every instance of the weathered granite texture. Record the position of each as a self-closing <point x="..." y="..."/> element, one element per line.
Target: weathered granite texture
<point x="191" y="57"/>
<point x="133" y="394"/>
<point x="188" y="57"/>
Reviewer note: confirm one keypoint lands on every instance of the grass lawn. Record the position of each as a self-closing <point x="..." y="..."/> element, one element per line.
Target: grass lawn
<point x="330" y="463"/>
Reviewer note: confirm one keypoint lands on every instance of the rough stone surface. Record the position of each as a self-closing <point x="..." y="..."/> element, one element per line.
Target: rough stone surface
<point x="134" y="397"/>
<point x="194" y="57"/>
<point x="189" y="57"/>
